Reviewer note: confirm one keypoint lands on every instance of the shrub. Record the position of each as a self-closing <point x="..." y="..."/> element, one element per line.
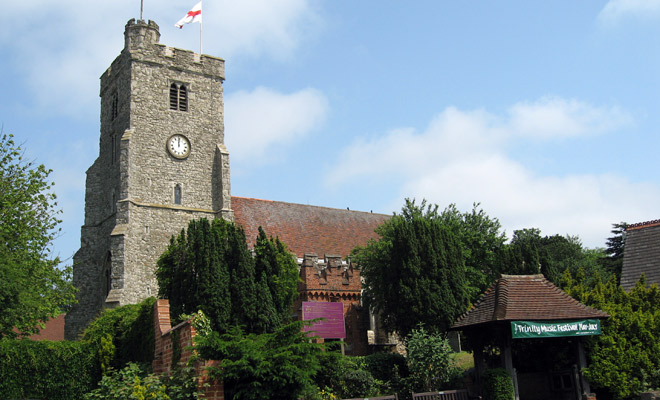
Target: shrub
<point x="46" y="370"/>
<point x="131" y="331"/>
<point x="129" y="383"/>
<point x="387" y="367"/>
<point x="497" y="384"/>
<point x="276" y="366"/>
<point x="430" y="361"/>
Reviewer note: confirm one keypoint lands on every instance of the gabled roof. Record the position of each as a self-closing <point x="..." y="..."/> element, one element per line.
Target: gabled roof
<point x="641" y="254"/>
<point x="525" y="298"/>
<point x="305" y="228"/>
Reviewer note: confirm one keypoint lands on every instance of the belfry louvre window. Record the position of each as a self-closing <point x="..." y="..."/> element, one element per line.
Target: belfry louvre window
<point x="178" y="97"/>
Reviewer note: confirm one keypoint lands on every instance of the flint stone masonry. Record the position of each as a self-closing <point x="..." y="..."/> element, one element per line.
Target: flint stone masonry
<point x="130" y="213"/>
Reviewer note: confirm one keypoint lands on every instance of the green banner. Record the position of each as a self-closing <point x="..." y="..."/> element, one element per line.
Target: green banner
<point x="544" y="329"/>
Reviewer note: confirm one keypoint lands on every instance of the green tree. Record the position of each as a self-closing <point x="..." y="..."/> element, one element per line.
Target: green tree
<point x="32" y="288"/>
<point x="482" y="243"/>
<point x="531" y="253"/>
<point x="430" y="361"/>
<point x="415" y="272"/>
<point x="277" y="275"/>
<point x="625" y="359"/>
<point x="209" y="267"/>
<point x="613" y="262"/>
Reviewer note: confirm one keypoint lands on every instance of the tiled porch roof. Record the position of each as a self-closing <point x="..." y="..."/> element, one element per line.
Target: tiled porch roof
<point x="525" y="297"/>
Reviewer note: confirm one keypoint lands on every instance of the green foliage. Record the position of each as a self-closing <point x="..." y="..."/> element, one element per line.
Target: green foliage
<point x="277" y="272"/>
<point x="625" y="359"/>
<point x="136" y="383"/>
<point x="131" y="331"/>
<point x="415" y="272"/>
<point x="613" y="263"/>
<point x="430" y="361"/>
<point x="482" y="242"/>
<point x="209" y="267"/>
<point x="387" y="367"/>
<point x="129" y="383"/>
<point x="46" y="370"/>
<point x="497" y="385"/>
<point x="32" y="288"/>
<point x="278" y="365"/>
<point x="531" y="253"/>
<point x="346" y="376"/>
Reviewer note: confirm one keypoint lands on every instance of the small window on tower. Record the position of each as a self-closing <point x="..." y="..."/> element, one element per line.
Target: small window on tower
<point x="115" y="105"/>
<point x="178" y="97"/>
<point x="177" y="194"/>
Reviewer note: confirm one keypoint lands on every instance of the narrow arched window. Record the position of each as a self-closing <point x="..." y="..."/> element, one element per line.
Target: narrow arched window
<point x="107" y="272"/>
<point x="115" y="106"/>
<point x="178" y="97"/>
<point x="177" y="194"/>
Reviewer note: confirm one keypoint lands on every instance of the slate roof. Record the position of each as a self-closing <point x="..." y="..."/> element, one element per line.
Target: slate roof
<point x="641" y="254"/>
<point x="528" y="298"/>
<point x="304" y="228"/>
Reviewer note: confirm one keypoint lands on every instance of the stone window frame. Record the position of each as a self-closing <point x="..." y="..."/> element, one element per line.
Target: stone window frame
<point x="179" y="95"/>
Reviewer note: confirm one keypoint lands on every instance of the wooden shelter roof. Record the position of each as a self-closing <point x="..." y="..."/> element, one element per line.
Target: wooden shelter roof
<point x="528" y="298"/>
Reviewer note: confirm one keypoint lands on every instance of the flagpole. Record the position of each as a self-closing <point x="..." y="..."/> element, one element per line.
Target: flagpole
<point x="141" y="9"/>
<point x="201" y="23"/>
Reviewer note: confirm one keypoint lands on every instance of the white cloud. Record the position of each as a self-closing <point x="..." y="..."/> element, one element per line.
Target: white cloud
<point x="554" y="117"/>
<point x="462" y="158"/>
<point x="257" y="122"/>
<point x="615" y="10"/>
<point x="61" y="48"/>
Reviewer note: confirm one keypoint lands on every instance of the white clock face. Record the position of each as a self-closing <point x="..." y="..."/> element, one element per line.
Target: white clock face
<point x="178" y="146"/>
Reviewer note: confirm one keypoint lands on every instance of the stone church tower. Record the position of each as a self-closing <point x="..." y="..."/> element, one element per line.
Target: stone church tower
<point x="162" y="162"/>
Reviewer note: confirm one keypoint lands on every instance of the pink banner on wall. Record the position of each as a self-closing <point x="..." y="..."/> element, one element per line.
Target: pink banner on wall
<point x="332" y="326"/>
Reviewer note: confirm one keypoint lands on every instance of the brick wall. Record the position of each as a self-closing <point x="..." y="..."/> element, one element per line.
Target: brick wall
<point x="163" y="350"/>
<point x="334" y="280"/>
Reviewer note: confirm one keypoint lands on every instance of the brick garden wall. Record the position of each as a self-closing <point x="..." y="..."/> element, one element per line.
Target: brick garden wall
<point x="164" y="350"/>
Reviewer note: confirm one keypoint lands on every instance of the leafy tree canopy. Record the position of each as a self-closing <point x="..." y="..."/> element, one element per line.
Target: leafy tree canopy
<point x="209" y="267"/>
<point x="32" y="288"/>
<point x="482" y="243"/>
<point x="625" y="359"/>
<point x="415" y="272"/>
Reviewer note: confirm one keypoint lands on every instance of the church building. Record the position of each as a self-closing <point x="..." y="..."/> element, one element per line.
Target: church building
<point x="163" y="162"/>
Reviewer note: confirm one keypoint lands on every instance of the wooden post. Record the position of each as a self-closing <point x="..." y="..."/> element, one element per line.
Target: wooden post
<point x="508" y="362"/>
<point x="582" y="364"/>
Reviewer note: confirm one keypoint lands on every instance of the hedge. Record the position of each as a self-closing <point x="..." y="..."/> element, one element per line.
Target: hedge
<point x="46" y="370"/>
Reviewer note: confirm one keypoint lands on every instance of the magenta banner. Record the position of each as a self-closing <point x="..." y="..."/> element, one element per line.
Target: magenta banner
<point x="332" y="326"/>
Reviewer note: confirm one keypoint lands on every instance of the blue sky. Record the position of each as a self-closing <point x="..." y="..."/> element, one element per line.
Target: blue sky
<point x="546" y="113"/>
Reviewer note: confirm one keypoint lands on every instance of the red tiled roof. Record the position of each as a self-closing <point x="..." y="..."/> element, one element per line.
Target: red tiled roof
<point x="525" y="297"/>
<point x="641" y="225"/>
<point x="54" y="330"/>
<point x="305" y="228"/>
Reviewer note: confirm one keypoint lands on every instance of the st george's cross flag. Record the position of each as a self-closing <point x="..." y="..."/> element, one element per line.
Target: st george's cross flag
<point x="194" y="15"/>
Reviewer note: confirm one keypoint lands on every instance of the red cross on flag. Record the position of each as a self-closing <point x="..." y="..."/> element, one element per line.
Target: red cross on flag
<point x="194" y="15"/>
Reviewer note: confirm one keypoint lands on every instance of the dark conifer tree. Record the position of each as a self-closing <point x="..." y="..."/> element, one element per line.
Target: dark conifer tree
<point x="415" y="272"/>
